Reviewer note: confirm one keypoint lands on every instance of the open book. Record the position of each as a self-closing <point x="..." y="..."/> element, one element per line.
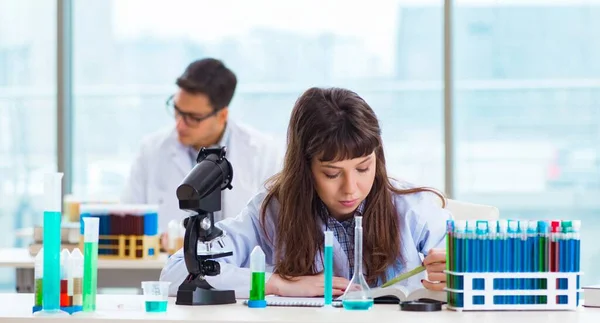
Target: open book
<point x="591" y="296"/>
<point x="401" y="293"/>
<point x="386" y="295"/>
<point x="396" y="293"/>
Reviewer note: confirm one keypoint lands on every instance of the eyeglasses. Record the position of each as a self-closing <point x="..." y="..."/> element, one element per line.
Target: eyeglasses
<point x="191" y="120"/>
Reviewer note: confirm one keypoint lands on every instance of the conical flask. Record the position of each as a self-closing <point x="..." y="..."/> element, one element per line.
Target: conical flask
<point x="358" y="294"/>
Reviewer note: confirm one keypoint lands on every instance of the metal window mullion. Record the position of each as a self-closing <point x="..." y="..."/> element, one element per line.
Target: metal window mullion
<point x="64" y="93"/>
<point x="448" y="101"/>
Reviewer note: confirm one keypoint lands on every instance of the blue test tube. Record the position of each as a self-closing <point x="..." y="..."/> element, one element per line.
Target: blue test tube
<point x="471" y="250"/>
<point x="576" y="227"/>
<point x="450" y="252"/>
<point x="460" y="262"/>
<point x="514" y="256"/>
<point x="492" y="227"/>
<point x="565" y="257"/>
<point x="503" y="256"/>
<point x="494" y="246"/>
<point x="484" y="251"/>
<point x="470" y="241"/>
<point x="524" y="260"/>
<point x="543" y="238"/>
<point x="533" y="256"/>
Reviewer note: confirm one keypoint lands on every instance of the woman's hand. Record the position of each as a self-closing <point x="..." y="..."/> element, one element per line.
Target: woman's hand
<point x="304" y="286"/>
<point x="435" y="264"/>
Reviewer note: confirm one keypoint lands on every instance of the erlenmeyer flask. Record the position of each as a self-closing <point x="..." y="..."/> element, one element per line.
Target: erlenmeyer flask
<point x="358" y="294"/>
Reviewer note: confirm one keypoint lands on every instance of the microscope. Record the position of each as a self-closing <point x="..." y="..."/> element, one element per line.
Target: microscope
<point x="200" y="194"/>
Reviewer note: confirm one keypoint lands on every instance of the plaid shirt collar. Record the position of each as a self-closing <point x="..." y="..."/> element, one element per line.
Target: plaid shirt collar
<point x="329" y="219"/>
<point x="343" y="231"/>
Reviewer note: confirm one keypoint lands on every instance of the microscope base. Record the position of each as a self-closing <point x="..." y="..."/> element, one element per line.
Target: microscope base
<point x="199" y="296"/>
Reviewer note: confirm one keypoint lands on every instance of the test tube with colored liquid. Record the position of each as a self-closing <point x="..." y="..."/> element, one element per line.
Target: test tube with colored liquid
<point x="576" y="227"/>
<point x="481" y="251"/>
<point x="493" y="248"/>
<point x="90" y="263"/>
<point x="76" y="280"/>
<point x="514" y="244"/>
<point x="543" y="256"/>
<point x="470" y="247"/>
<point x="65" y="302"/>
<point x="533" y="258"/>
<point x="564" y="258"/>
<point x="328" y="268"/>
<point x="38" y="286"/>
<point x="460" y="227"/>
<point x="521" y="261"/>
<point x="257" y="283"/>
<point x="503" y="259"/>
<point x="449" y="261"/>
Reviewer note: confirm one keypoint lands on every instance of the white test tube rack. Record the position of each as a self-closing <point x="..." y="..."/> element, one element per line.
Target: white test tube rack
<point x="488" y="293"/>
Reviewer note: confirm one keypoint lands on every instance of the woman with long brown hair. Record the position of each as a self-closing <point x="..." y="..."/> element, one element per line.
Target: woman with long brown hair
<point x="334" y="170"/>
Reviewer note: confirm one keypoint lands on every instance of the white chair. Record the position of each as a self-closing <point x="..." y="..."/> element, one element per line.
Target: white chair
<point x="470" y="211"/>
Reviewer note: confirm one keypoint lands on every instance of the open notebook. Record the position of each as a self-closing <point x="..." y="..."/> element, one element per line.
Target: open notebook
<point x="392" y="294"/>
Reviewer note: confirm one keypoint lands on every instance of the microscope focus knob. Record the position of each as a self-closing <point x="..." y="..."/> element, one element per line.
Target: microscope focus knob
<point x="205" y="224"/>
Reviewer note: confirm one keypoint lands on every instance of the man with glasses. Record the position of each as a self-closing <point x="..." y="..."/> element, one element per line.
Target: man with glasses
<point x="200" y="108"/>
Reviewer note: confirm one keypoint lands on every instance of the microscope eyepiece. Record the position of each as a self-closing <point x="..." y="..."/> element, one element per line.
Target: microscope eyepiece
<point x="210" y="175"/>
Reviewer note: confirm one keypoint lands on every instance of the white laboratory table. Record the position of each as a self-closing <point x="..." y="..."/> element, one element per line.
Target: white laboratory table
<point x="130" y="308"/>
<point x="112" y="273"/>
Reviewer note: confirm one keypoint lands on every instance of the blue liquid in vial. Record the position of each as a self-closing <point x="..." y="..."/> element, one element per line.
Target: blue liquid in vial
<point x="328" y="293"/>
<point x="51" y="277"/>
<point x="357" y="305"/>
<point x="156" y="306"/>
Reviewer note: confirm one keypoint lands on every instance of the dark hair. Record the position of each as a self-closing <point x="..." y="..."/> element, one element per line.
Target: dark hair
<point x="212" y="78"/>
<point x="333" y="124"/>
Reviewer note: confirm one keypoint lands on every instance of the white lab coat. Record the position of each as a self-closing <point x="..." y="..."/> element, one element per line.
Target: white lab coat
<point x="422" y="227"/>
<point x="163" y="162"/>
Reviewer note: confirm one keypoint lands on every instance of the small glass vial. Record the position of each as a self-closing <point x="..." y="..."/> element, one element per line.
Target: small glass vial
<point x="257" y="283"/>
<point x="358" y="294"/>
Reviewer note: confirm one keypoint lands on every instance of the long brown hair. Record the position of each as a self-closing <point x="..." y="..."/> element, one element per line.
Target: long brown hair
<point x="333" y="124"/>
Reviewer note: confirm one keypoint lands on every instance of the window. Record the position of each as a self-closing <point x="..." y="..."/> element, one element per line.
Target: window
<point x="27" y="115"/>
<point x="527" y="120"/>
<point x="128" y="54"/>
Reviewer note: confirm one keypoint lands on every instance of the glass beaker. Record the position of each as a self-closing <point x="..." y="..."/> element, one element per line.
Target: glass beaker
<point x="156" y="295"/>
